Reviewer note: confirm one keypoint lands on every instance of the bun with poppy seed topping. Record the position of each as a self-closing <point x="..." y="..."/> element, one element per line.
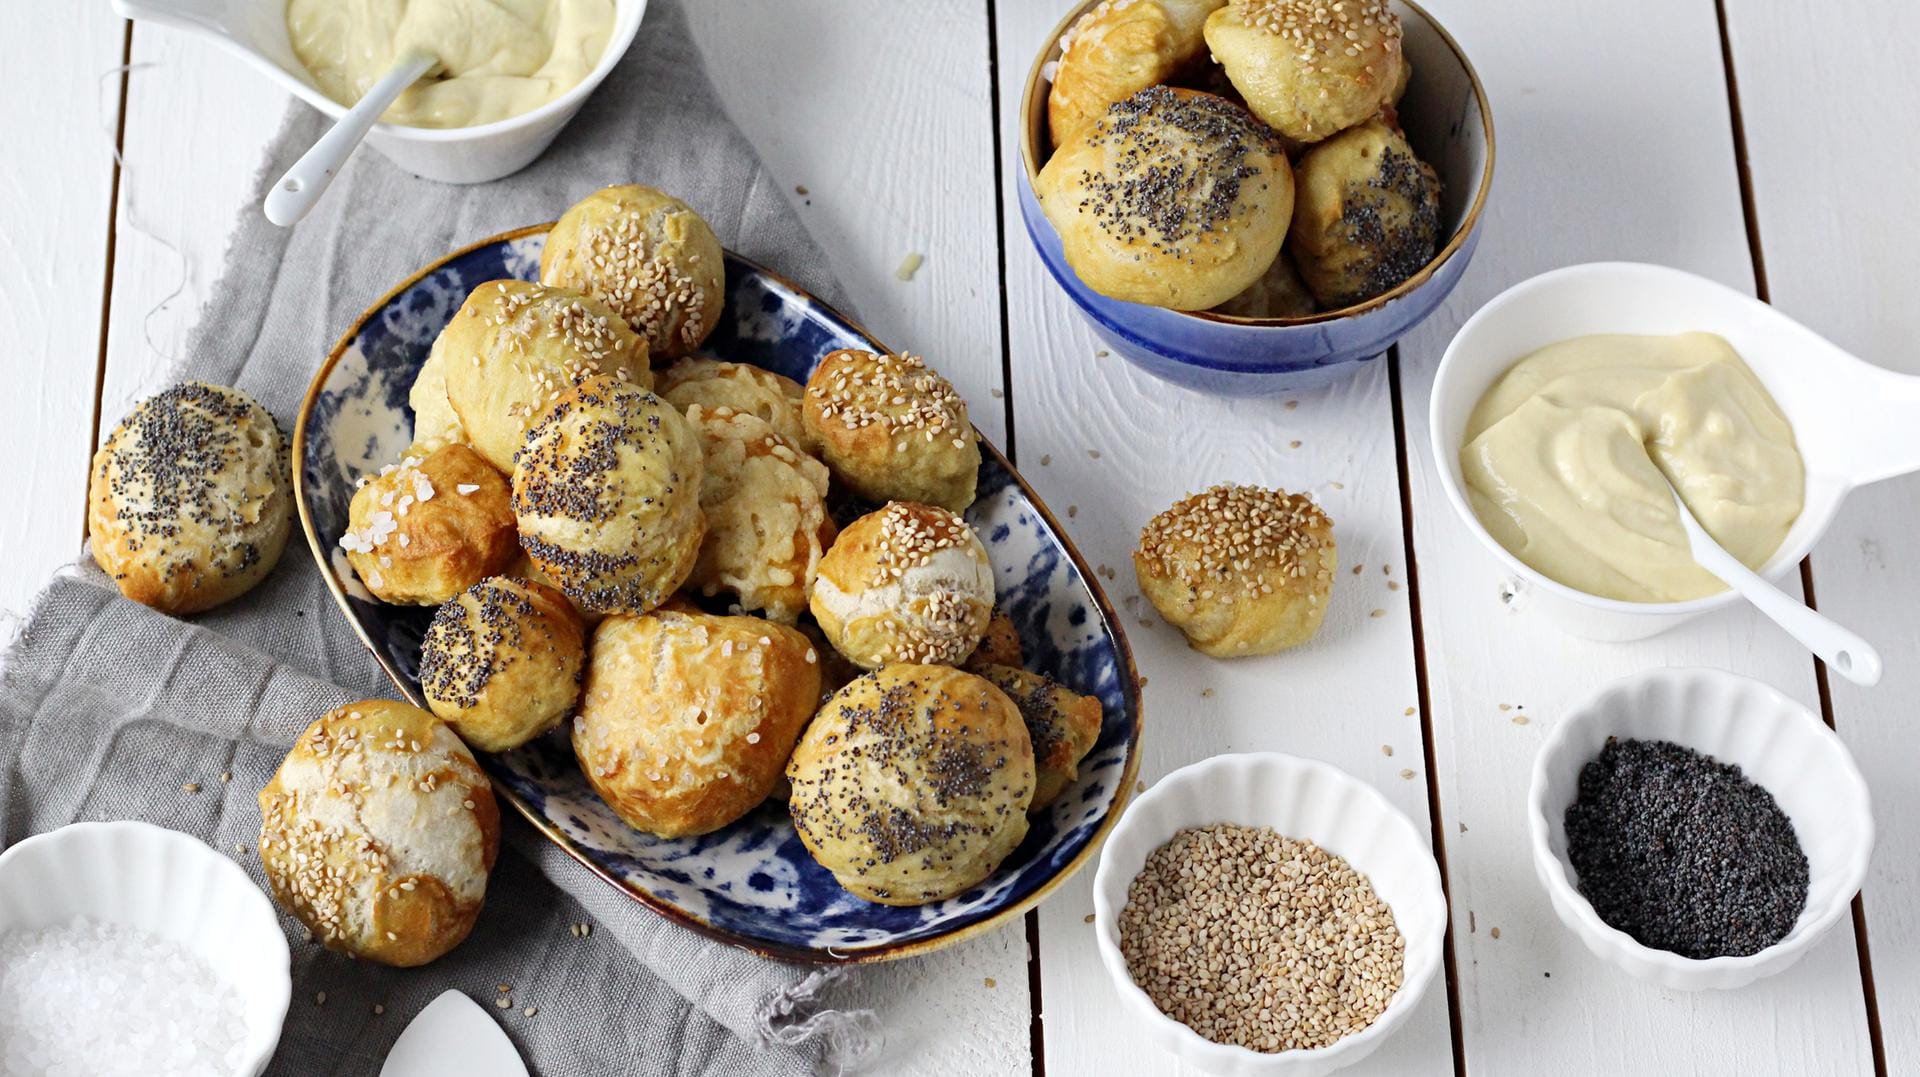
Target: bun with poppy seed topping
<point x="912" y="783"/>
<point x="189" y="502"/>
<point x="502" y="662"/>
<point x="607" y="494"/>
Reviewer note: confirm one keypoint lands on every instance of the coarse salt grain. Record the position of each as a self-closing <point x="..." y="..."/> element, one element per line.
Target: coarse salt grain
<point x="105" y="1000"/>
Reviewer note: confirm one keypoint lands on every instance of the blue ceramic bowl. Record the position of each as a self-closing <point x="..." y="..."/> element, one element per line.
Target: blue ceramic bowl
<point x="1446" y="118"/>
<point x="751" y="884"/>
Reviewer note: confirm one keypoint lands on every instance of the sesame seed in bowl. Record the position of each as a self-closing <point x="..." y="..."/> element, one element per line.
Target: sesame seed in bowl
<point x="1236" y="842"/>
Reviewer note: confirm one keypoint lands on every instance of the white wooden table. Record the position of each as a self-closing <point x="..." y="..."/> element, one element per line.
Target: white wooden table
<point x="1623" y="133"/>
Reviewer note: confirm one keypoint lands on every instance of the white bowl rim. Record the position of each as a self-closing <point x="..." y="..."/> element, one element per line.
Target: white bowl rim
<point x="625" y="30"/>
<point x="1623" y="944"/>
<point x="1445" y="459"/>
<point x="189" y="845"/>
<point x="1404" y="999"/>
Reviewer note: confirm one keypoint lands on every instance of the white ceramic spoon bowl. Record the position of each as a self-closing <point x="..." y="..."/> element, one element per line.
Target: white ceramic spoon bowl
<point x="1855" y="423"/>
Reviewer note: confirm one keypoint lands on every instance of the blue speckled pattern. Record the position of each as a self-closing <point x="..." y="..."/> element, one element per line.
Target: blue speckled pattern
<point x="752" y="883"/>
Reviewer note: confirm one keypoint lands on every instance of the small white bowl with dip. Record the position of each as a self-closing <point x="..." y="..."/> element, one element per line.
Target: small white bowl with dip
<point x="1853" y="423"/>
<point x="256" y="31"/>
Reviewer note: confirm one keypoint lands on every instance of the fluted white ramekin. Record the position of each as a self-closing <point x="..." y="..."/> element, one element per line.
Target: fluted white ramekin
<point x="1300" y="798"/>
<point x="1776" y="742"/>
<point x="168" y="884"/>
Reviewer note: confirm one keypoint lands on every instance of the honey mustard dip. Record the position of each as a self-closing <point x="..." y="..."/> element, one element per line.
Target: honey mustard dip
<point x="497" y="58"/>
<point x="1564" y="457"/>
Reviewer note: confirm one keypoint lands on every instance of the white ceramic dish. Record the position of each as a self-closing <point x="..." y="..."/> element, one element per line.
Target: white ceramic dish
<point x="1855" y="423"/>
<point x="168" y="884"/>
<point x="1301" y="798"/>
<point x="256" y="31"/>
<point x="1776" y="742"/>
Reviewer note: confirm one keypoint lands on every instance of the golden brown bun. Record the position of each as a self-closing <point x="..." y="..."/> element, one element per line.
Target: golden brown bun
<point x="1279" y="293"/>
<point x="712" y="384"/>
<point x="1174" y="198"/>
<point x="502" y="662"/>
<point x="909" y="583"/>
<point x="1308" y="68"/>
<point x="999" y="646"/>
<point x="1062" y="724"/>
<point x="687" y="718"/>
<point x="190" y="503"/>
<point x="1118" y="48"/>
<point x="647" y="255"/>
<point x="1239" y="569"/>
<point x="434" y="420"/>
<point x="427" y="528"/>
<point x="766" y="508"/>
<point x="378" y="832"/>
<point x="511" y="350"/>
<point x="892" y="429"/>
<point x="1367" y="217"/>
<point x="912" y="783"/>
<point x="523" y="568"/>
<point x="607" y="492"/>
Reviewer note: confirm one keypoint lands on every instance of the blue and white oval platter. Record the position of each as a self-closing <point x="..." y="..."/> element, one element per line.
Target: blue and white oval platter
<point x="752" y="884"/>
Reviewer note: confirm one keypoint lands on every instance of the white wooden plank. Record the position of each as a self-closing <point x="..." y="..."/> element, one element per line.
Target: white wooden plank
<point x="868" y="162"/>
<point x="1620" y="147"/>
<point x="1836" y="220"/>
<point x="1109" y="446"/>
<point x="63" y="105"/>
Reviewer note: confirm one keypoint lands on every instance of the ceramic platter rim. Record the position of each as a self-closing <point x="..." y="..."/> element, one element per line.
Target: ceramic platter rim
<point x="884" y="951"/>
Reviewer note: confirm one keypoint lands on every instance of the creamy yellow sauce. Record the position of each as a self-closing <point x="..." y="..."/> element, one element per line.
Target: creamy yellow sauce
<point x="1565" y="452"/>
<point x="497" y="58"/>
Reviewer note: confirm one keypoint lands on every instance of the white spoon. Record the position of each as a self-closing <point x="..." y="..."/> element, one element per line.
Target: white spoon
<point x="453" y="1037"/>
<point x="1839" y="648"/>
<point x="291" y="198"/>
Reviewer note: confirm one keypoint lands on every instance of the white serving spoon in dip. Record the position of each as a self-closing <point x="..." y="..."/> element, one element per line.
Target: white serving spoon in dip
<point x="296" y="192"/>
<point x="1838" y="647"/>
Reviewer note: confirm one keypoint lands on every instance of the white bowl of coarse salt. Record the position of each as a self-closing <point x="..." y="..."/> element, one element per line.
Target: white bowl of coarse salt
<point x="126" y="948"/>
<point x="1262" y="873"/>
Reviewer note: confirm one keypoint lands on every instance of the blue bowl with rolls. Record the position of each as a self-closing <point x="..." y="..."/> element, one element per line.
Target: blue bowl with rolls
<point x="1276" y="336"/>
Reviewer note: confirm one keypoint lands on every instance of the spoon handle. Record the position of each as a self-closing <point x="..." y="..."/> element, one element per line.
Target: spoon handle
<point x="1839" y="647"/>
<point x="297" y="191"/>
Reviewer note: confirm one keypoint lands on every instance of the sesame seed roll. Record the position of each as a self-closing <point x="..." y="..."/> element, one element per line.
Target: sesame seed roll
<point x="1240" y="570"/>
<point x="892" y="429"/>
<point x="1309" y="68"/>
<point x="647" y="255"/>
<point x="909" y="583"/>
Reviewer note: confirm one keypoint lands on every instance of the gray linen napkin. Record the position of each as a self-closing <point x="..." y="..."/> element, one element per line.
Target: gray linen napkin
<point x="111" y="711"/>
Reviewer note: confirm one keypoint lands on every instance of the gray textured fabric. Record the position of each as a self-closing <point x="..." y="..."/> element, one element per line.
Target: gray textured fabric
<point x="109" y="710"/>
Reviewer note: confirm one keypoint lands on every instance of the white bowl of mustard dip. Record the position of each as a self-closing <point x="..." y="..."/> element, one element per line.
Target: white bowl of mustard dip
<point x="511" y="72"/>
<point x="1557" y="401"/>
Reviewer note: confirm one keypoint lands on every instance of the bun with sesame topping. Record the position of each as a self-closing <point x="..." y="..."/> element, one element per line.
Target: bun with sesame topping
<point x="1240" y="570"/>
<point x="909" y="583"/>
<point x="1309" y="68"/>
<point x="1367" y="216"/>
<point x="1173" y="198"/>
<point x="687" y="719"/>
<point x="1118" y="48"/>
<point x="892" y="429"/>
<point x="508" y="354"/>
<point x="189" y="502"/>
<point x="1063" y="725"/>
<point x="647" y="255"/>
<point x="766" y="508"/>
<point x="378" y="833"/>
<point x="912" y="783"/>
<point x="502" y="662"/>
<point x="607" y="493"/>
<point x="424" y="529"/>
<point x="752" y="390"/>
